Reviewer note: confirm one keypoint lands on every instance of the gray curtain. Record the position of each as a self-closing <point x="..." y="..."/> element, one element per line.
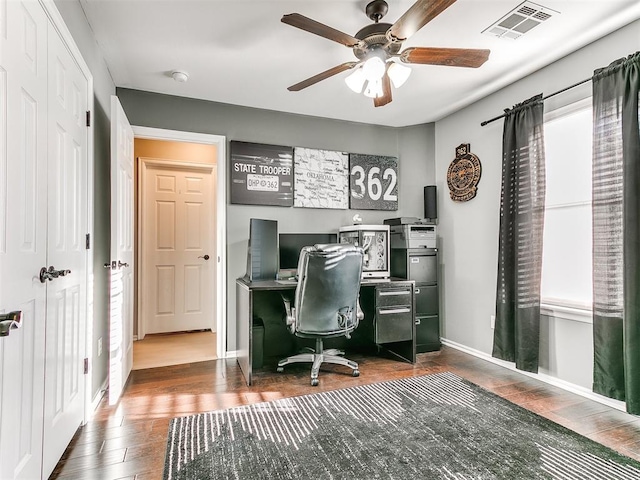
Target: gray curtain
<point x="616" y="232"/>
<point x="517" y="327"/>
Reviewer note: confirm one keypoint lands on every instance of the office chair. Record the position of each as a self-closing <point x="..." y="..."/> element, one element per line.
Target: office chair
<point x="326" y="302"/>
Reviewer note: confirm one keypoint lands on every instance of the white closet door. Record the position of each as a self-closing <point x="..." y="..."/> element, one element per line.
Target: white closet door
<point x="23" y="234"/>
<point x="67" y="227"/>
<point x="121" y="304"/>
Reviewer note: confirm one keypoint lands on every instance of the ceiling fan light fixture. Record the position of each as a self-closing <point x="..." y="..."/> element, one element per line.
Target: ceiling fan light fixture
<point x="355" y="81"/>
<point x="398" y="74"/>
<point x="374" y="89"/>
<point x="373" y="69"/>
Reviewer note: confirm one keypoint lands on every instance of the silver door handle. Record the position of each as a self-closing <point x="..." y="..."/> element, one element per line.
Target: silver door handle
<point x="206" y="257"/>
<point x="120" y="264"/>
<point x="107" y="265"/>
<point x="51" y="273"/>
<point x="9" y="321"/>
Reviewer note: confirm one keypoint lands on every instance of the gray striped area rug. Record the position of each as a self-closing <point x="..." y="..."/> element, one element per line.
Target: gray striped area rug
<point x="430" y="427"/>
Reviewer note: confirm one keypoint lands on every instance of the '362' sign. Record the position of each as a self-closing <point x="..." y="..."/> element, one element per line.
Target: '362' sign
<point x="373" y="182"/>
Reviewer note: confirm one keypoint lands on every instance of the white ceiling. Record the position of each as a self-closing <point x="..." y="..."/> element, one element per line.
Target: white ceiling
<point x="238" y="51"/>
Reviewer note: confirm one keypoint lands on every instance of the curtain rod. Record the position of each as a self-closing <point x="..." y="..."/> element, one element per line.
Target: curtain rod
<point x="543" y="98"/>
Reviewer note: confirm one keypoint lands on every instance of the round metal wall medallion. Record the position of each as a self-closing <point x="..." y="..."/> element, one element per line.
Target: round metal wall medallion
<point x="463" y="174"/>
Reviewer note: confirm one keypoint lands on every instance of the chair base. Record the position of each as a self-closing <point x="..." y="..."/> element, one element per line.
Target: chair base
<point x="319" y="357"/>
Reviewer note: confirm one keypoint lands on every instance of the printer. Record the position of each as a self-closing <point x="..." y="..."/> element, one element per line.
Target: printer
<point x="410" y="232"/>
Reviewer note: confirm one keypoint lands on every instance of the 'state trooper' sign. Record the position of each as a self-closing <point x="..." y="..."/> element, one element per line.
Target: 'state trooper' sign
<point x="261" y="174"/>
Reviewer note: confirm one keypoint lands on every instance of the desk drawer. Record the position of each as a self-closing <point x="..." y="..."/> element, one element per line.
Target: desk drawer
<point x="386" y="297"/>
<point x="394" y="324"/>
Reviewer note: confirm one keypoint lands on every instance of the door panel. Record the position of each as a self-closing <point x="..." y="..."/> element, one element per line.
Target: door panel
<point x="177" y="221"/>
<point x="192" y="293"/>
<point x="23" y="210"/>
<point x="67" y="226"/>
<point x="121" y="291"/>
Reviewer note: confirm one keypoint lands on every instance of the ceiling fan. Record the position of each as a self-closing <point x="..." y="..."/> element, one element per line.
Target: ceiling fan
<point x="376" y="45"/>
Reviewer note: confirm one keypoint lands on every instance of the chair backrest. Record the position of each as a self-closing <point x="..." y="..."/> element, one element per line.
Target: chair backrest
<point x="326" y="302"/>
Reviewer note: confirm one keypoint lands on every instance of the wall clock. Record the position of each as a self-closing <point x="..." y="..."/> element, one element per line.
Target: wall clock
<point x="463" y="174"/>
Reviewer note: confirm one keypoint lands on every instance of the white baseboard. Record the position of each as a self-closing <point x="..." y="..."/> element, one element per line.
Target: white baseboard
<point x="96" y="400"/>
<point x="135" y="338"/>
<point x="556" y="382"/>
<point x="230" y="354"/>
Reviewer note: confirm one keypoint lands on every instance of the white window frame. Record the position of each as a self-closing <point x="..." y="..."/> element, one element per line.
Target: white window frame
<point x="555" y="307"/>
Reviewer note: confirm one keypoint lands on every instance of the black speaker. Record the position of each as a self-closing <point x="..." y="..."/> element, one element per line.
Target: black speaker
<point x="430" y="203"/>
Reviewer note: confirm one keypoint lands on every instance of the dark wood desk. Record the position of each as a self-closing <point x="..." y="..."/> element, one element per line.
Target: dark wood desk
<point x="388" y="325"/>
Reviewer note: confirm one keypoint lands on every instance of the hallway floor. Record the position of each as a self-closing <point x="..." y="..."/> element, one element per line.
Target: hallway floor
<point x="162" y="350"/>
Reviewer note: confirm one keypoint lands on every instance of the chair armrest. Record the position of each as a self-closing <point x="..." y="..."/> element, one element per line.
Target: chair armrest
<point x="289" y="312"/>
<point x="359" y="312"/>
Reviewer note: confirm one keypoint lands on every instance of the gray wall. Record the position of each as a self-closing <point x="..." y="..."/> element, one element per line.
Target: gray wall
<point x="76" y="22"/>
<point x="469" y="231"/>
<point x="414" y="147"/>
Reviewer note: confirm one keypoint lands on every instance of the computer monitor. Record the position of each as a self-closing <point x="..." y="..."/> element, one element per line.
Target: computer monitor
<point x="262" y="251"/>
<point x="292" y="243"/>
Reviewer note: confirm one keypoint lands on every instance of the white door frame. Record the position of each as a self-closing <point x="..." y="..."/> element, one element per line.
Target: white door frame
<point x="219" y="142"/>
<point x="144" y="164"/>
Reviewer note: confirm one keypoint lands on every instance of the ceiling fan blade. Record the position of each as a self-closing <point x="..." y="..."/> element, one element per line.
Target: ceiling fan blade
<point x="386" y="93"/>
<point x="418" y="15"/>
<point x="322" y="76"/>
<point x="452" y="57"/>
<point x="311" y="26"/>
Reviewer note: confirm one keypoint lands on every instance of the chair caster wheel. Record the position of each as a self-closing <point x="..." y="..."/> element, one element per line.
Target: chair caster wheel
<point x="280" y="369"/>
<point x="314" y="382"/>
<point x="356" y="373"/>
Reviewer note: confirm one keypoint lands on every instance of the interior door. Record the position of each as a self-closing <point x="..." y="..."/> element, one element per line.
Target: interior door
<point x="121" y="291"/>
<point x="66" y="251"/>
<point x="23" y="233"/>
<point x="178" y="247"/>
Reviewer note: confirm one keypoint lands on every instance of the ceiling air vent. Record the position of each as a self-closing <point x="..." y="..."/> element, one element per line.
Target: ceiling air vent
<point x="520" y="20"/>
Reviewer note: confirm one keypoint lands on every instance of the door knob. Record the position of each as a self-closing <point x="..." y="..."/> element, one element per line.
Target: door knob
<point x="206" y="257"/>
<point x="121" y="264"/>
<point x="9" y="321"/>
<point x="51" y="273"/>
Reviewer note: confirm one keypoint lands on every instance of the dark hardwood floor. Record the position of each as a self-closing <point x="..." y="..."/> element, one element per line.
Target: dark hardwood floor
<point x="128" y="440"/>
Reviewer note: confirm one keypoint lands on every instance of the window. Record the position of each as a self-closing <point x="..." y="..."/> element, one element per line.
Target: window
<point x="567" y="246"/>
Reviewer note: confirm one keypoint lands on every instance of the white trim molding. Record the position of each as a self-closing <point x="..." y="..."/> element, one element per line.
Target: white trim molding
<point x="96" y="400"/>
<point x="556" y="382"/>
<point x="575" y="314"/>
<point x="220" y="143"/>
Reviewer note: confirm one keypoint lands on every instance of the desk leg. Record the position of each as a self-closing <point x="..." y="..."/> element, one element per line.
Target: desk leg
<point x="244" y="319"/>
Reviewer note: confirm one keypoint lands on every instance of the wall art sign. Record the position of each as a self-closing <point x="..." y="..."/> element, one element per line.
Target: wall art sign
<point x="373" y="182"/>
<point x="261" y="174"/>
<point x="321" y="178"/>
<point x="463" y="174"/>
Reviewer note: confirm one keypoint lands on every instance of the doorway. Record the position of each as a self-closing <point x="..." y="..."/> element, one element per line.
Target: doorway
<point x="180" y="244"/>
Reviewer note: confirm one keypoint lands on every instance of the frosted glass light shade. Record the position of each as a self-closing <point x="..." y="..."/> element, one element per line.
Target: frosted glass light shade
<point x="374" y="89"/>
<point x="355" y="81"/>
<point x="373" y="68"/>
<point x="398" y="74"/>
